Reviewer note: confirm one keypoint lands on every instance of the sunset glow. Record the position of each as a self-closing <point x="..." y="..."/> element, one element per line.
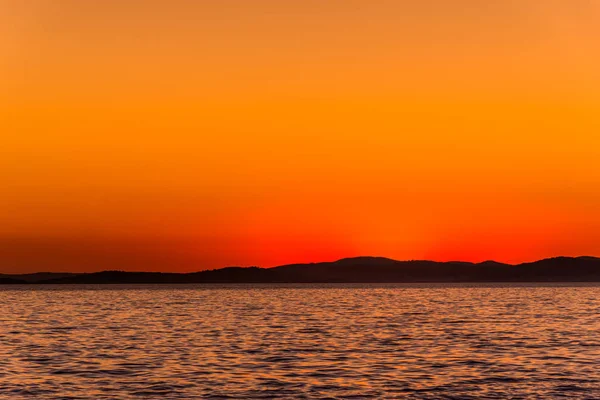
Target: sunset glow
<point x="186" y="135"/>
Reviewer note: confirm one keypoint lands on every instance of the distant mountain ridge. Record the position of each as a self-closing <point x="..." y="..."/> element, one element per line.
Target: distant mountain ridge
<point x="348" y="270"/>
<point x="38" y="276"/>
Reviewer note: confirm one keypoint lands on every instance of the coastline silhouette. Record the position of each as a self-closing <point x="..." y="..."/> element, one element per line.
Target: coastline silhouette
<point x="348" y="270"/>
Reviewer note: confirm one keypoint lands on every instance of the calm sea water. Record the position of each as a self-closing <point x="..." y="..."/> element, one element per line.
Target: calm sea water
<point x="304" y="341"/>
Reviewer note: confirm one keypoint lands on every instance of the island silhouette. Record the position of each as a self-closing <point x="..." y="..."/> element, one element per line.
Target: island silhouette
<point x="347" y="270"/>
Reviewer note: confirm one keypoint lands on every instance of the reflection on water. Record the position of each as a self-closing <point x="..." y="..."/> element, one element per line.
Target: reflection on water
<point x="310" y="341"/>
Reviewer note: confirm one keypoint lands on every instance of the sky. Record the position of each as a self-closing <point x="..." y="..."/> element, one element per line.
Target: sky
<point x="186" y="135"/>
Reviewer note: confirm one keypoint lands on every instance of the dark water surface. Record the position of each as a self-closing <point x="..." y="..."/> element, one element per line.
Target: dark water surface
<point x="300" y="341"/>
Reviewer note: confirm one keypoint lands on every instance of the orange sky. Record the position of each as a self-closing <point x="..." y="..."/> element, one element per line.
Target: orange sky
<point x="183" y="135"/>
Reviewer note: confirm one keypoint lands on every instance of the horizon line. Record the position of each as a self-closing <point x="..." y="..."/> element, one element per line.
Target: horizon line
<point x="310" y="263"/>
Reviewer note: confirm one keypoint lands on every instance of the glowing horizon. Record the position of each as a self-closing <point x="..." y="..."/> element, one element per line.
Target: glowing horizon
<point x="181" y="135"/>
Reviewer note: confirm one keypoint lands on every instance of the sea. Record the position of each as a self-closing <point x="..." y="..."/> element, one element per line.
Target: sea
<point x="305" y="341"/>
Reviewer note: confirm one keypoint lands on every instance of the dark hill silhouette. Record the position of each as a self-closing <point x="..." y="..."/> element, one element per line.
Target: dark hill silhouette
<point x="39" y="276"/>
<point x="224" y="275"/>
<point x="11" y="281"/>
<point x="362" y="270"/>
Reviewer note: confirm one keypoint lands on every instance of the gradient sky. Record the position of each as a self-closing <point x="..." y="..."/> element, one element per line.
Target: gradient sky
<point x="184" y="135"/>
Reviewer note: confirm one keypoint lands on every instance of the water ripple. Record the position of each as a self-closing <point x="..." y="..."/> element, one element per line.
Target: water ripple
<point x="300" y="342"/>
